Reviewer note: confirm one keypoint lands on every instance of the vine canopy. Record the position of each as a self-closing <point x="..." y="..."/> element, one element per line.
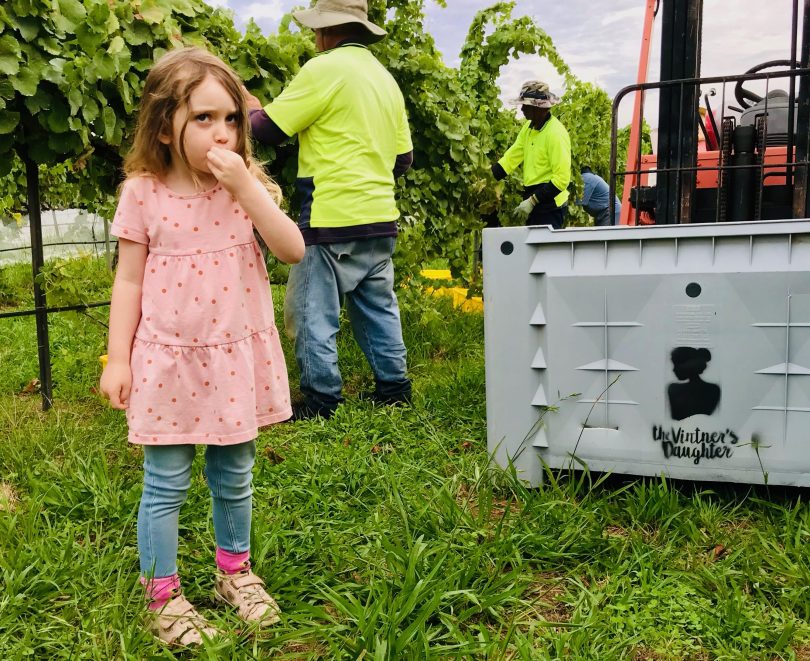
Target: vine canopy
<point x="72" y="71"/>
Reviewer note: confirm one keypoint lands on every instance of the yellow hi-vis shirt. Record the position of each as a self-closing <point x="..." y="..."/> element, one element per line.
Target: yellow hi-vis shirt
<point x="349" y="115"/>
<point x="545" y="154"/>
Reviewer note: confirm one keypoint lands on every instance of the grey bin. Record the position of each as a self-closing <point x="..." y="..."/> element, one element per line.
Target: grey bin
<point x="707" y="328"/>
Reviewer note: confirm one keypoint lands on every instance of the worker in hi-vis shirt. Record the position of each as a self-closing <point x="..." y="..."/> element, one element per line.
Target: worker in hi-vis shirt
<point x="353" y="142"/>
<point x="544" y="149"/>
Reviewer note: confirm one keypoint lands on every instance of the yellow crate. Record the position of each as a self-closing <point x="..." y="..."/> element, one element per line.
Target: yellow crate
<point x="459" y="296"/>
<point x="436" y="274"/>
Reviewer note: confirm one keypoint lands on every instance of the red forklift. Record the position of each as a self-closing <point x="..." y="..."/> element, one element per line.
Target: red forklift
<point x="733" y="156"/>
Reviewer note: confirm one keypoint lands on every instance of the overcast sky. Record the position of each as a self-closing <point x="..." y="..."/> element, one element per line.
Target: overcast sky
<point x="599" y="41"/>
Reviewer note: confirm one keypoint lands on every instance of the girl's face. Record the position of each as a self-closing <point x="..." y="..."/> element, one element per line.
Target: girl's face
<point x="211" y="119"/>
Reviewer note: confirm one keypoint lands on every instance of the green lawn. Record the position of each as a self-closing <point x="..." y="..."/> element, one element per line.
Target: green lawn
<point x="384" y="534"/>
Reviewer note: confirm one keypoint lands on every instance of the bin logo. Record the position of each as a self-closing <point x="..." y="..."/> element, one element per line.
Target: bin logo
<point x="695" y="444"/>
<point x="690" y="396"/>
<point x="695" y="396"/>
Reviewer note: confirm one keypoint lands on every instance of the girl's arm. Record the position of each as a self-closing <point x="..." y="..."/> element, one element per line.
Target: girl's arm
<point x="125" y="313"/>
<point x="279" y="232"/>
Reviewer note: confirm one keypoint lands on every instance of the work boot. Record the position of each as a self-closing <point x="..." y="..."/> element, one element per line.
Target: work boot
<point x="306" y="411"/>
<point x="375" y="397"/>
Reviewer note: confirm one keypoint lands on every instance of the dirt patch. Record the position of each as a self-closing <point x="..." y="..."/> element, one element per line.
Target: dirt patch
<point x="8" y="498"/>
<point x="545" y="596"/>
<point x="802" y="653"/>
<point x="615" y="531"/>
<point x="467" y="499"/>
<point x="332" y="611"/>
<point x="646" y="654"/>
<point x="735" y="526"/>
<point x="298" y="649"/>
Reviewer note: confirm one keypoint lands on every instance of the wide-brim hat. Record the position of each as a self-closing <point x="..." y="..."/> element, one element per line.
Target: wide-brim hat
<point x="536" y="93"/>
<point x="328" y="13"/>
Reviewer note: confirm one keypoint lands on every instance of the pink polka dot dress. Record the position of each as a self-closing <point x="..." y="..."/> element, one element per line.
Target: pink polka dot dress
<point x="207" y="365"/>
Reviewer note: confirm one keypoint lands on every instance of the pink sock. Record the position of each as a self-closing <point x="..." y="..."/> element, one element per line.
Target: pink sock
<point x="160" y="590"/>
<point x="232" y="563"/>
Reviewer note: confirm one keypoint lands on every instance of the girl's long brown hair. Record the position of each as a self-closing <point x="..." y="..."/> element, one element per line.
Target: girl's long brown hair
<point x="168" y="87"/>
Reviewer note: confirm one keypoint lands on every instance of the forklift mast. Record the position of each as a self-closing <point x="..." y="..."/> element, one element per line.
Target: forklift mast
<point x="677" y="112"/>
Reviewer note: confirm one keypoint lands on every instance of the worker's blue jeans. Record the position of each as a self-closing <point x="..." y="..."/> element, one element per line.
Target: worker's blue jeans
<point x="166" y="480"/>
<point x="603" y="218"/>
<point x="361" y="273"/>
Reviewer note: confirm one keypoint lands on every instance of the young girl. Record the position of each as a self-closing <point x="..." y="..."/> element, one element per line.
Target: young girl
<point x="194" y="354"/>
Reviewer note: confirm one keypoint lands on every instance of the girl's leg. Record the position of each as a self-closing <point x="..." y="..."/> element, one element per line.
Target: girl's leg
<point x="167" y="471"/>
<point x="229" y="470"/>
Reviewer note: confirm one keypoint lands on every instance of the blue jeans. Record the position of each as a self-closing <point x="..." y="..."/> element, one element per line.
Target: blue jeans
<point x="361" y="273"/>
<point x="167" y="477"/>
<point x="604" y="219"/>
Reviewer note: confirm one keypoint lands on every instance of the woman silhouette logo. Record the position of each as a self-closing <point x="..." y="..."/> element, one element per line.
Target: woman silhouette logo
<point x="695" y="396"/>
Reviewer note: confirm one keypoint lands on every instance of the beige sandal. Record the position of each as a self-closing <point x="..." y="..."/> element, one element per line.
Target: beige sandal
<point x="179" y="624"/>
<point x="245" y="592"/>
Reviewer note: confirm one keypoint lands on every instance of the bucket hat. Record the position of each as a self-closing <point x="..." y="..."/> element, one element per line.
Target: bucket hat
<point x="328" y="13"/>
<point x="536" y="93"/>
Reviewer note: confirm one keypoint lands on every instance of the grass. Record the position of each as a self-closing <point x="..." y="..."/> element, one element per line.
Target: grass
<point x="385" y="534"/>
